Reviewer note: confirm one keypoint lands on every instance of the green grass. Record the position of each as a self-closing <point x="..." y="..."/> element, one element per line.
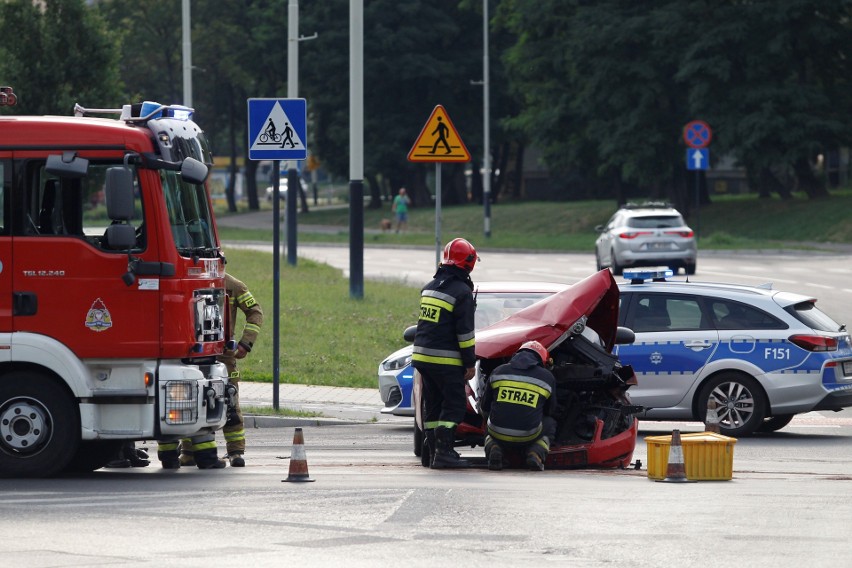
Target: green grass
<point x="269" y="411"/>
<point x="729" y="222"/>
<point x="326" y="337"/>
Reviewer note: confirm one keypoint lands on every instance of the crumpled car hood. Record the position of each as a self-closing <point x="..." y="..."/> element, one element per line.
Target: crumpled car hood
<point x="595" y="297"/>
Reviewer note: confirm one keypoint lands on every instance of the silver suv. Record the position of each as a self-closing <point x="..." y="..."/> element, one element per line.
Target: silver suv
<point x="651" y="234"/>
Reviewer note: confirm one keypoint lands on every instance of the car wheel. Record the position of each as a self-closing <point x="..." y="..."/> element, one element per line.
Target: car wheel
<point x="690" y="268"/>
<point x="418" y="440"/>
<point x="740" y="403"/>
<point x="616" y="268"/>
<point x="39" y="426"/>
<point x="775" y="423"/>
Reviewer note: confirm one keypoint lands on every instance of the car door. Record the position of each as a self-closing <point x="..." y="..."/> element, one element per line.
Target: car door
<point x="675" y="339"/>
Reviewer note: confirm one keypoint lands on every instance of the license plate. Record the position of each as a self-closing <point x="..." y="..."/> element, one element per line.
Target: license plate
<point x="847" y="368"/>
<point x="659" y="246"/>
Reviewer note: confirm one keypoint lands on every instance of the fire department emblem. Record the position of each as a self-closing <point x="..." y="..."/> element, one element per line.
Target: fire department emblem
<point x="98" y="318"/>
<point x="656" y="357"/>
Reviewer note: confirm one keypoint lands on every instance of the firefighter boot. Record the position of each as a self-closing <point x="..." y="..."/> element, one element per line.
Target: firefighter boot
<point x="167" y="453"/>
<point x="236" y="460"/>
<point x="428" y="448"/>
<point x="445" y="456"/>
<point x="537" y="453"/>
<point x="186" y="456"/>
<point x="494" y="453"/>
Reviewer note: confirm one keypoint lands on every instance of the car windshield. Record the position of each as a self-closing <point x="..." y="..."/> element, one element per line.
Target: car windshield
<point x="813" y="317"/>
<point x="655" y="222"/>
<point x="494" y="307"/>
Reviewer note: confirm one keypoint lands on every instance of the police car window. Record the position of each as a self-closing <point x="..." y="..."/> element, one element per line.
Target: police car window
<point x="655" y="222"/>
<point x="660" y="312"/>
<point x="813" y="317"/>
<point x="734" y="315"/>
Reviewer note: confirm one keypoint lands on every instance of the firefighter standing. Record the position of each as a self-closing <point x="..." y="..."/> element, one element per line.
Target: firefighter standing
<point x="519" y="401"/>
<point x="239" y="296"/>
<point x="444" y="350"/>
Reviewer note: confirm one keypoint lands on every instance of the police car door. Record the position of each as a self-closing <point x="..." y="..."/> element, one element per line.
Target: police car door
<point x="675" y="339"/>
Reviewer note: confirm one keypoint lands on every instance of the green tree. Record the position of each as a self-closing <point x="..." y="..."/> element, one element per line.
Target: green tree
<point x="52" y="64"/>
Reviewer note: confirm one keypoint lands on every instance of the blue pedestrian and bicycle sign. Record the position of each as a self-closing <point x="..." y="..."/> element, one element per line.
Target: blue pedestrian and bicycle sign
<point x="277" y="129"/>
<point x="697" y="134"/>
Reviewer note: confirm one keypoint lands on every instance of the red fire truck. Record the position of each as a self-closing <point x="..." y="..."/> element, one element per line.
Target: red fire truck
<point x="111" y="286"/>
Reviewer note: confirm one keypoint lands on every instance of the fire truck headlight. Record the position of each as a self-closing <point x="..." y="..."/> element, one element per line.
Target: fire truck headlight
<point x="181" y="404"/>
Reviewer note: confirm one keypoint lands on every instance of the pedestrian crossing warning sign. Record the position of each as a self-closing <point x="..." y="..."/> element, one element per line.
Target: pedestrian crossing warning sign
<point x="277" y="129"/>
<point x="439" y="141"/>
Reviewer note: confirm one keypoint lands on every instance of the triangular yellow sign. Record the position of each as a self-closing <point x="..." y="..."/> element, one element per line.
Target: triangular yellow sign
<point x="439" y="141"/>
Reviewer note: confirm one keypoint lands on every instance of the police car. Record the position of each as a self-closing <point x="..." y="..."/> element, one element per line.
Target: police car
<point x="495" y="301"/>
<point x="762" y="354"/>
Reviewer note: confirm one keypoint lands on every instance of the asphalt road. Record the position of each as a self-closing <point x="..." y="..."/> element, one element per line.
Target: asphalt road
<point x="371" y="504"/>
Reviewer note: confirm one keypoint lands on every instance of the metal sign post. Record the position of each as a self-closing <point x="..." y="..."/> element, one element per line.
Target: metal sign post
<point x="438" y="142"/>
<point x="697" y="135"/>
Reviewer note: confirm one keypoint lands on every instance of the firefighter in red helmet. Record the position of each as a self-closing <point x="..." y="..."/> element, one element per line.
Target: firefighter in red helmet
<point x="444" y="350"/>
<point x="520" y="401"/>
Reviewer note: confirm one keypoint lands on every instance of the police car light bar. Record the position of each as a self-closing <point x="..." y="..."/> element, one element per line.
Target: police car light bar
<point x="640" y="275"/>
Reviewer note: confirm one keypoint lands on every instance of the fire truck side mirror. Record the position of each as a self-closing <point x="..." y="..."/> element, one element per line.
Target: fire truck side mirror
<point x="120" y="237"/>
<point x="68" y="165"/>
<point x="119" y="193"/>
<point x="193" y="171"/>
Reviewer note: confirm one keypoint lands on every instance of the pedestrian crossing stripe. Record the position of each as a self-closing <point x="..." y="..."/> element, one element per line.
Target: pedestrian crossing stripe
<point x="439" y="141"/>
<point x="277" y="129"/>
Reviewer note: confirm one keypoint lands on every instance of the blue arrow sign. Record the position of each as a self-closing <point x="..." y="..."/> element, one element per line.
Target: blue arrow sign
<point x="277" y="129"/>
<point x="697" y="159"/>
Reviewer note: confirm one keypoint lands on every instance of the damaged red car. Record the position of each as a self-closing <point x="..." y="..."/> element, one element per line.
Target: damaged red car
<point x="596" y="422"/>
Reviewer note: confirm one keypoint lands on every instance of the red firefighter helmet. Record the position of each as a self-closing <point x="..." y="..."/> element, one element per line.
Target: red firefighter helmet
<point x="538" y="349"/>
<point x="461" y="253"/>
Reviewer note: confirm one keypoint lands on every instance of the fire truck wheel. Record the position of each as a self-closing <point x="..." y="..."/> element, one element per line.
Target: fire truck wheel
<point x="39" y="426"/>
<point x="93" y="454"/>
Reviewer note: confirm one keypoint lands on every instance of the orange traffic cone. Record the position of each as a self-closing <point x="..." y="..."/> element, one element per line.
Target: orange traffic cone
<point x="675" y="471"/>
<point x="298" y="461"/>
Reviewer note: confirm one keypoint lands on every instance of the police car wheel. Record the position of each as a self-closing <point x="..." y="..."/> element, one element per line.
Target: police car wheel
<point x="741" y="404"/>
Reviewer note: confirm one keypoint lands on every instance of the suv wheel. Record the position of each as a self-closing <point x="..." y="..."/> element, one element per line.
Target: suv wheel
<point x="617" y="269"/>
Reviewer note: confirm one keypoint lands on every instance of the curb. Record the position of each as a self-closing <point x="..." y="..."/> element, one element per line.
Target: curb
<point x="252" y="421"/>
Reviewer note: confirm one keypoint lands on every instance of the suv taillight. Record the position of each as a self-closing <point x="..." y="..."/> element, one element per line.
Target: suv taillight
<point x="633" y="234"/>
<point x="814" y="342"/>
<point x="684" y="234"/>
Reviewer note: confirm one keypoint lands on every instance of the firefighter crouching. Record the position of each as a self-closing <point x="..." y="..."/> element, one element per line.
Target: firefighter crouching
<point x="519" y="402"/>
<point x="239" y="296"/>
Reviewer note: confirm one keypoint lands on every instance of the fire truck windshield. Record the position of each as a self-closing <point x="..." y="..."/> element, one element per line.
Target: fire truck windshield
<point x="189" y="216"/>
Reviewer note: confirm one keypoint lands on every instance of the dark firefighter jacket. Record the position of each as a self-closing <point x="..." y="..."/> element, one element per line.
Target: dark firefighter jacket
<point x="445" y="332"/>
<point x="518" y="395"/>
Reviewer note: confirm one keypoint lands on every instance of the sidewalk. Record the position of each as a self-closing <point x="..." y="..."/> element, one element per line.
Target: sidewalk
<point x="336" y="405"/>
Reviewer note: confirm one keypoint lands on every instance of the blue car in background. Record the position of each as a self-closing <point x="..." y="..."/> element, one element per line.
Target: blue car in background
<point x="495" y="301"/>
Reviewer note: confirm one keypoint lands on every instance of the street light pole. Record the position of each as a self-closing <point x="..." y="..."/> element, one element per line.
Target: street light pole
<point x="187" y="54"/>
<point x="486" y="128"/>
